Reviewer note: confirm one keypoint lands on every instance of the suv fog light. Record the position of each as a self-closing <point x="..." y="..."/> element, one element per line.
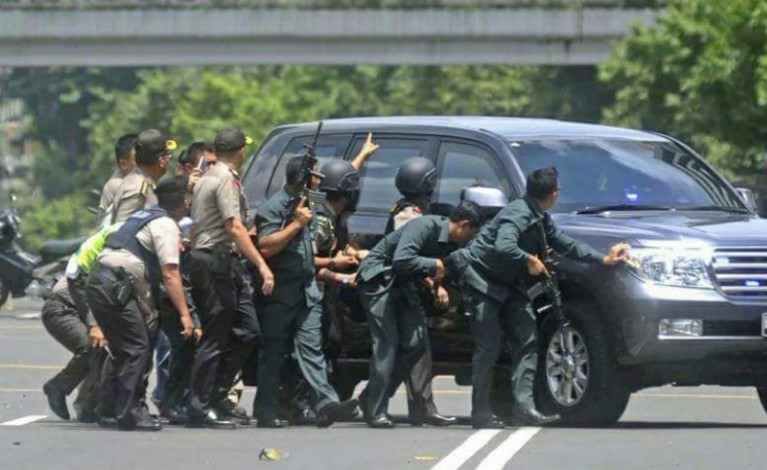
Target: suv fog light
<point x="680" y="327"/>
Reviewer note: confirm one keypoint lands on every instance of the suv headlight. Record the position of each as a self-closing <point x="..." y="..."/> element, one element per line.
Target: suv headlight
<point x="682" y="264"/>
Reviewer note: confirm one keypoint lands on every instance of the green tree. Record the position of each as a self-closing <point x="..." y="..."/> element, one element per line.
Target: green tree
<point x="58" y="100"/>
<point x="699" y="74"/>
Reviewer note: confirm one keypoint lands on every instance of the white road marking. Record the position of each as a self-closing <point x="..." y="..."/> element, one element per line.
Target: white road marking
<point x="465" y="451"/>
<point x="24" y="420"/>
<point x="499" y="457"/>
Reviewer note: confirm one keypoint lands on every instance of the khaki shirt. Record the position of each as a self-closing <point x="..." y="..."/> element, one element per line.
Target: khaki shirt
<point x="161" y="237"/>
<point x="406" y="215"/>
<point x="217" y="197"/>
<point x="108" y="194"/>
<point x="134" y="194"/>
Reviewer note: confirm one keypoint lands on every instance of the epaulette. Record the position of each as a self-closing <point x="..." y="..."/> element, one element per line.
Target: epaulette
<point x="145" y="188"/>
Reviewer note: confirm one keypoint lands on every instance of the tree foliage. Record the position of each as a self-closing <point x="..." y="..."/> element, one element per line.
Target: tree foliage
<point x="194" y="103"/>
<point x="700" y="74"/>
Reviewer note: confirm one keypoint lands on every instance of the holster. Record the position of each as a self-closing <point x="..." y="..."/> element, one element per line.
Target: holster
<point x="124" y="287"/>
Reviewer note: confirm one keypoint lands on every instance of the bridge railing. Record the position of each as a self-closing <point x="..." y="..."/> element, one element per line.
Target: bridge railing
<point x="321" y="4"/>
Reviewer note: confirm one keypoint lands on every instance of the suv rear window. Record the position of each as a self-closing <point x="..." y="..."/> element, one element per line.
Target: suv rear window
<point x="330" y="146"/>
<point x="378" y="192"/>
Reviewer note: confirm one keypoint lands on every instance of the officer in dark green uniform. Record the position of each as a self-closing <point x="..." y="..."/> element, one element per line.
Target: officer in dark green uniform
<point x="293" y="313"/>
<point x="415" y="180"/>
<point x="506" y="251"/>
<point x="388" y="279"/>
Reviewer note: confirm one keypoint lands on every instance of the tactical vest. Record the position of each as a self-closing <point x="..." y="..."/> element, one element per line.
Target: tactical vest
<point x="400" y="206"/>
<point x="125" y="238"/>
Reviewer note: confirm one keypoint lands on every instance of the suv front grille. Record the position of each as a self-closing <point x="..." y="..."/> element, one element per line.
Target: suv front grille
<point x="742" y="273"/>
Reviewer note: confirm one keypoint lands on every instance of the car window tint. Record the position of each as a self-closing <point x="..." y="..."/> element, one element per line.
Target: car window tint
<point x="377" y="191"/>
<point x="327" y="147"/>
<point x="463" y="165"/>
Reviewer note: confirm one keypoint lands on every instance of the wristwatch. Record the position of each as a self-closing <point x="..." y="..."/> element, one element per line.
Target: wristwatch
<point x="345" y="279"/>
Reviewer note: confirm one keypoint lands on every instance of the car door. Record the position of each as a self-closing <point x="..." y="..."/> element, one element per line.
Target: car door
<point x="460" y="164"/>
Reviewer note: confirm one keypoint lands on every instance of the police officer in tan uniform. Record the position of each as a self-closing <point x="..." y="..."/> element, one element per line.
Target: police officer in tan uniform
<point x="153" y="154"/>
<point x="142" y="254"/>
<point x="220" y="290"/>
<point x="125" y="154"/>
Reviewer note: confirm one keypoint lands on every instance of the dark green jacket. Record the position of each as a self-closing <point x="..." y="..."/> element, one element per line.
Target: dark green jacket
<point x="293" y="267"/>
<point x="409" y="253"/>
<point x="497" y="258"/>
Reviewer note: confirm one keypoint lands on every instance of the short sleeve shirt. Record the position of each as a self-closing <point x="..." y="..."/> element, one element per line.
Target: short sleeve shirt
<point x="217" y="197"/>
<point x="108" y="194"/>
<point x="136" y="192"/>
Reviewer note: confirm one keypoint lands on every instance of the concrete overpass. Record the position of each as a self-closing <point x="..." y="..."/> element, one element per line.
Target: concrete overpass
<point x="96" y="32"/>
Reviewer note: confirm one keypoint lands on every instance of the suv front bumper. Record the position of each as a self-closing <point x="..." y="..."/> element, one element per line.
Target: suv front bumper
<point x="729" y="328"/>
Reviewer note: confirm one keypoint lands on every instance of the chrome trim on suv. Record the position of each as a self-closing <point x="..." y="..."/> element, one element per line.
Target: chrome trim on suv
<point x="741" y="273"/>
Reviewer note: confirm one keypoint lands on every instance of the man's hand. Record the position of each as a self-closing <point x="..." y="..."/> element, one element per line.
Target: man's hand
<point x="96" y="337"/>
<point x="343" y="262"/>
<point x="535" y="267"/>
<point x="198" y="333"/>
<point x="442" y="299"/>
<point x="194" y="178"/>
<point x="187" y="326"/>
<point x="618" y="253"/>
<point x="266" y="274"/>
<point x="302" y="214"/>
<point x="369" y="147"/>
<point x="439" y="273"/>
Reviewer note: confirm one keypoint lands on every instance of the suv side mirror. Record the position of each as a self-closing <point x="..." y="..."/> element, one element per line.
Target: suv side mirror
<point x="748" y="198"/>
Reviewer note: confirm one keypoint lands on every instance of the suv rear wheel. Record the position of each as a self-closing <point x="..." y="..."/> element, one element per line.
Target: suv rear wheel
<point x="580" y="384"/>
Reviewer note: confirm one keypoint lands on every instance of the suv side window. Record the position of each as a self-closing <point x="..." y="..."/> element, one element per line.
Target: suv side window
<point x="460" y="165"/>
<point x="330" y="146"/>
<point x="377" y="190"/>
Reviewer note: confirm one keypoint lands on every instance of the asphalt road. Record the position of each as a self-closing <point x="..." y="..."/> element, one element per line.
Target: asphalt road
<point x="696" y="428"/>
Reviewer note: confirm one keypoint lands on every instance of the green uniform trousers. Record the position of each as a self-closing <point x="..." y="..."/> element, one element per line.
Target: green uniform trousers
<point x="399" y="338"/>
<point x="491" y="323"/>
<point x="283" y="326"/>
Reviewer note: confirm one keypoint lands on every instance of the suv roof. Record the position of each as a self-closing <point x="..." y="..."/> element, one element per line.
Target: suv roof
<point x="508" y="127"/>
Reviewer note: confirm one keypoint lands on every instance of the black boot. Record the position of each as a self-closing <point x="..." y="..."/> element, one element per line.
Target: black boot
<point x="532" y="417"/>
<point x="492" y="422"/>
<point x="226" y="408"/>
<point x="381" y="422"/>
<point x="209" y="420"/>
<point x="57" y="400"/>
<point x="343" y="411"/>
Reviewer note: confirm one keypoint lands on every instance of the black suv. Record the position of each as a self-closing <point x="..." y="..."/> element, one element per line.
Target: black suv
<point x="690" y="308"/>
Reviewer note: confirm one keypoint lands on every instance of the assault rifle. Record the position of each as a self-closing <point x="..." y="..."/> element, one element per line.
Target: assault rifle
<point x="548" y="287"/>
<point x="309" y="160"/>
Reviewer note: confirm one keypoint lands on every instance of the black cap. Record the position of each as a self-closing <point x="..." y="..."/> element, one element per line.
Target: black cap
<point x="153" y="143"/>
<point x="231" y="140"/>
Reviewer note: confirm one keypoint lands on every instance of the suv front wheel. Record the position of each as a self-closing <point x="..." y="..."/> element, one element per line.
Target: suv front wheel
<point x="579" y="382"/>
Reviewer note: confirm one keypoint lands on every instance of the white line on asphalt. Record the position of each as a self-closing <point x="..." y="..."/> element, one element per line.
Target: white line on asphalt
<point x="499" y="457"/>
<point x="24" y="420"/>
<point x="464" y="452"/>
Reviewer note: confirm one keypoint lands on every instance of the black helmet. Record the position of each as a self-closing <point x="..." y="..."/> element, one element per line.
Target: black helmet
<point x="416" y="177"/>
<point x="340" y="176"/>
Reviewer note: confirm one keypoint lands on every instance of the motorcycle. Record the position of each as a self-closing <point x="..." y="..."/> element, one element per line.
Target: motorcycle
<point x="23" y="273"/>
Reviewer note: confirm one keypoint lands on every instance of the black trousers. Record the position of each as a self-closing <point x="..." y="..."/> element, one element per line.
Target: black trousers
<point x="181" y="356"/>
<point x="62" y="321"/>
<point x="230" y="329"/>
<point x="129" y="335"/>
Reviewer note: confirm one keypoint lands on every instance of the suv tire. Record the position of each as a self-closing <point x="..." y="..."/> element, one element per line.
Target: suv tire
<point x="603" y="399"/>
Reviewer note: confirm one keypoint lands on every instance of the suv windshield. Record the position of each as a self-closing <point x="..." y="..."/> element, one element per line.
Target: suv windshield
<point x="605" y="172"/>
